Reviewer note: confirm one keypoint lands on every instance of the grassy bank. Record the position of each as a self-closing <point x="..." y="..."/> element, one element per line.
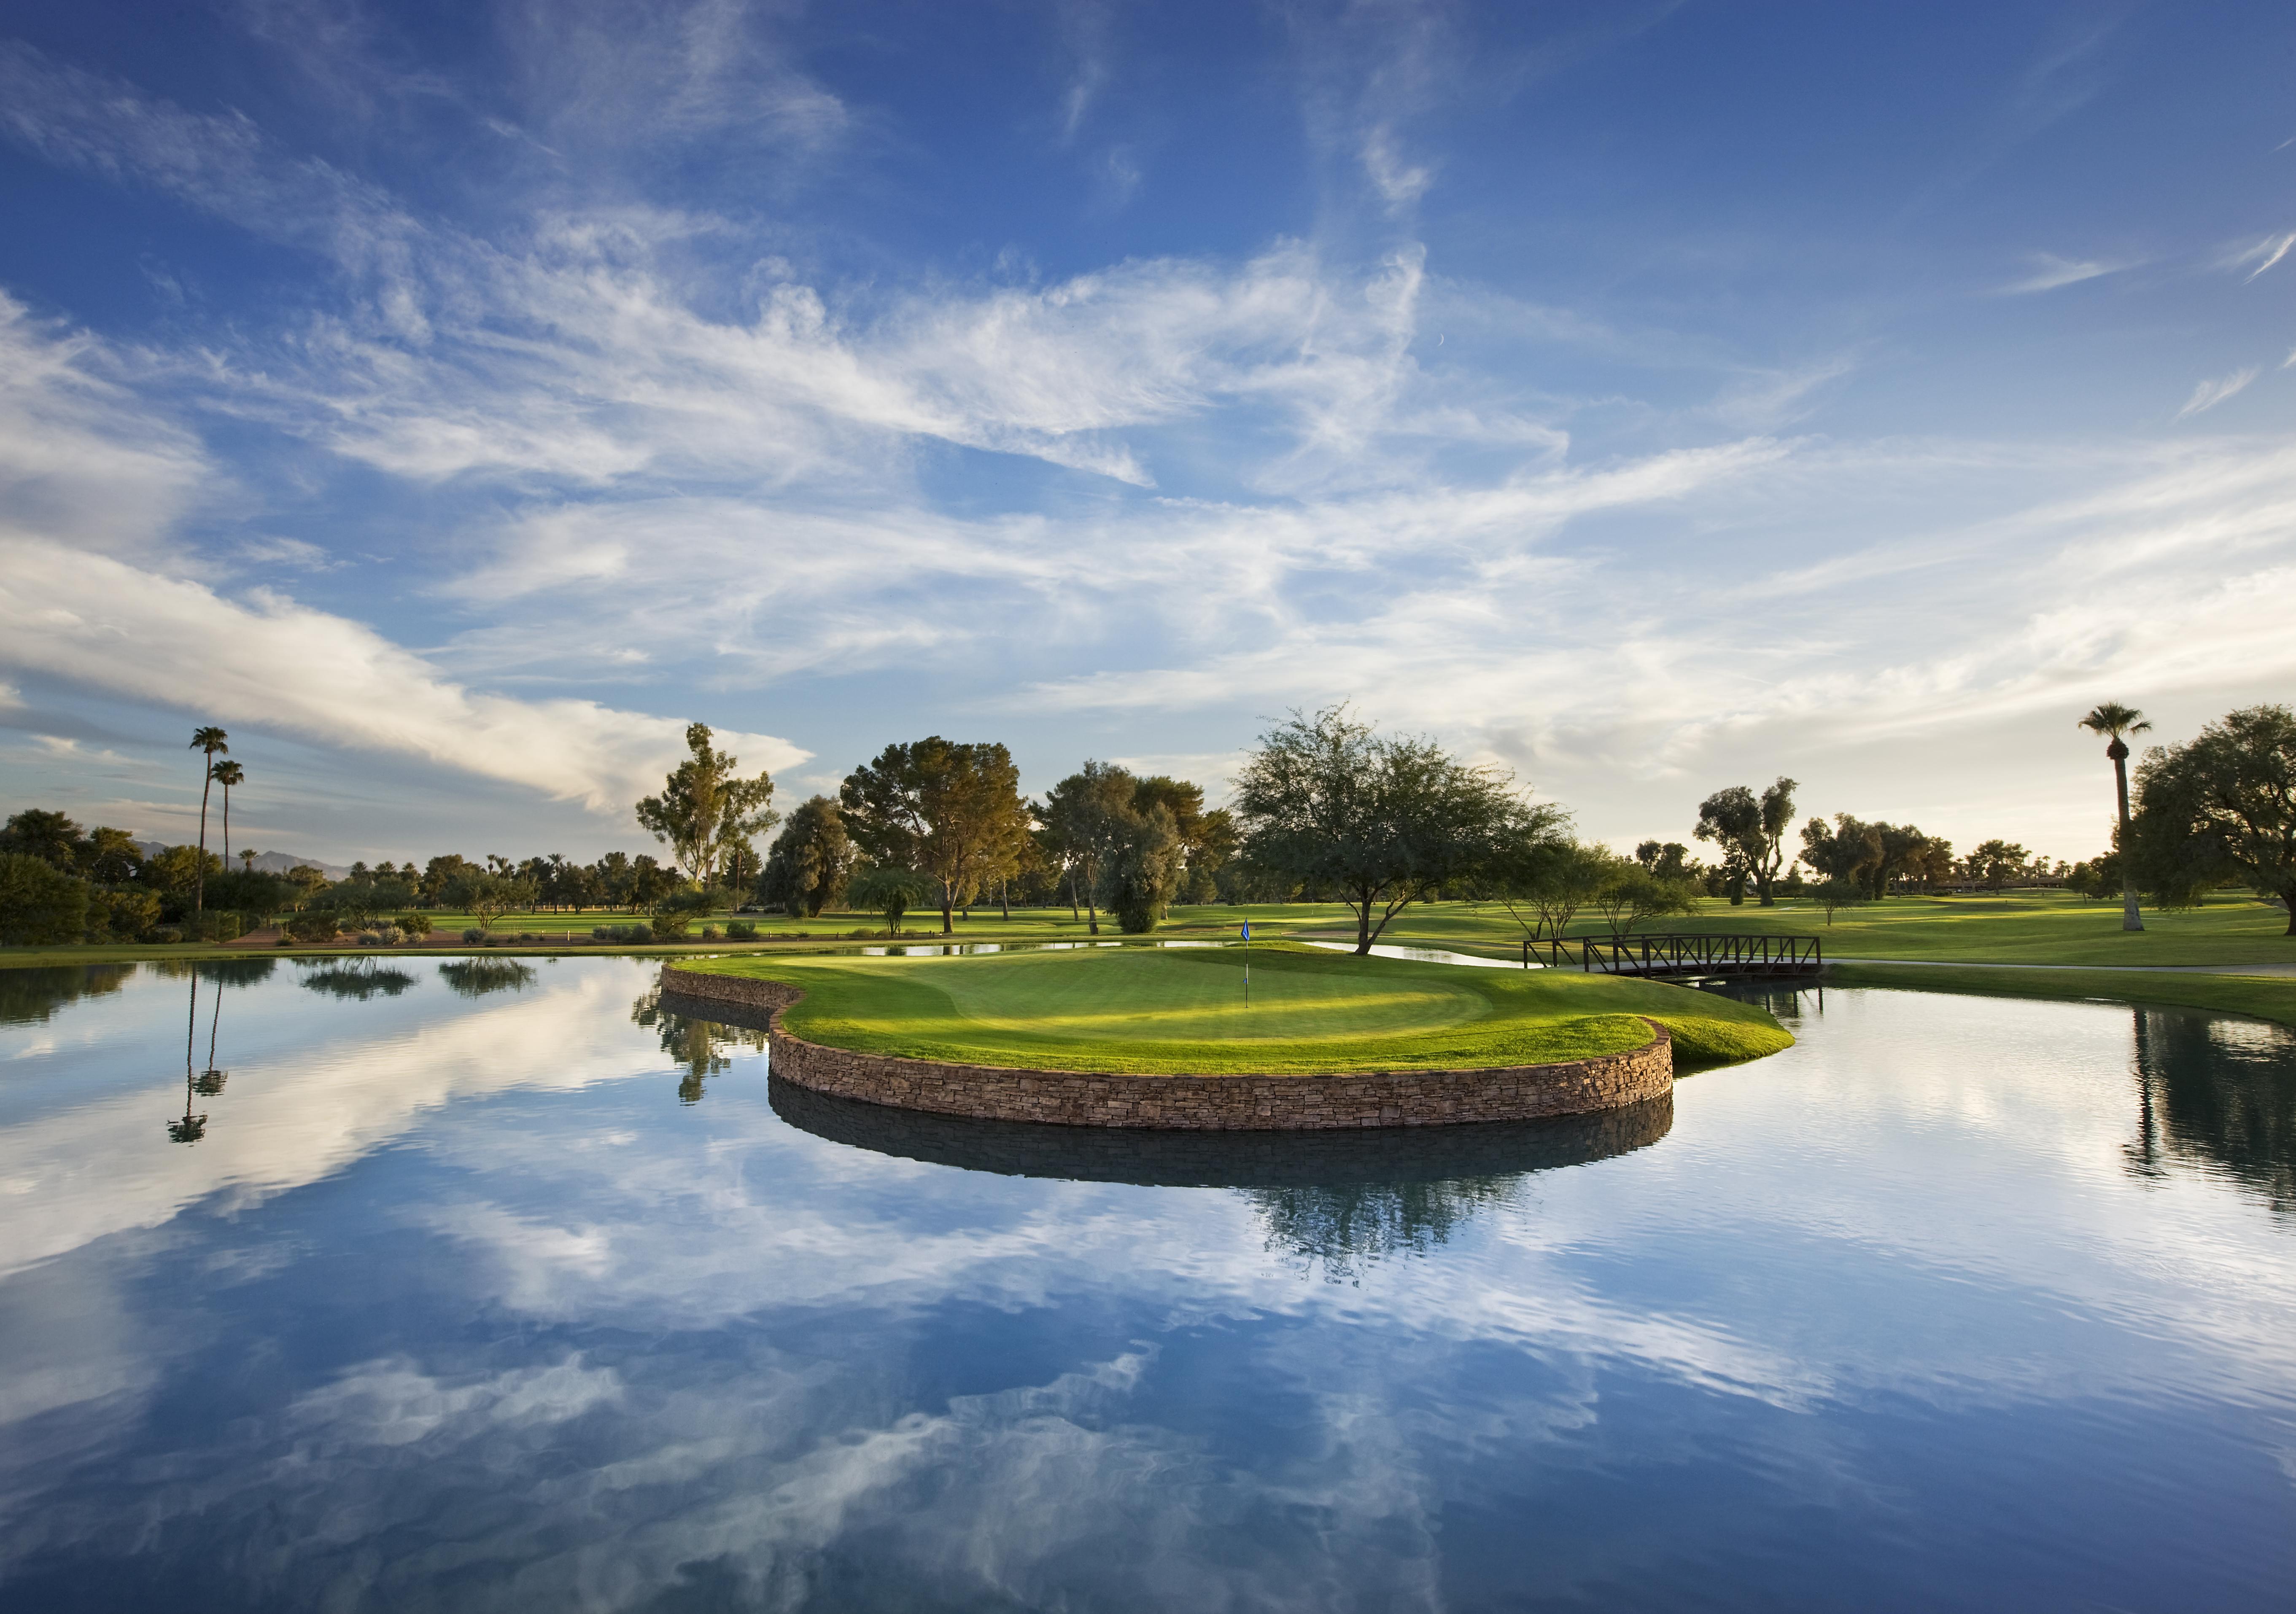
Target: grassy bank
<point x="2019" y="926"/>
<point x="2023" y="927"/>
<point x="2263" y="996"/>
<point x="1144" y="1011"/>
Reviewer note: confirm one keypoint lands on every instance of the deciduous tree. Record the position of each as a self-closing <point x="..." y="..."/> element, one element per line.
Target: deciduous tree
<point x="40" y="904"/>
<point x="1627" y="895"/>
<point x="706" y="808"/>
<point x="1142" y="868"/>
<point x="811" y="862"/>
<point x="1751" y="827"/>
<point x="53" y="837"/>
<point x="1383" y="820"/>
<point x="1085" y="816"/>
<point x="951" y="812"/>
<point x="890" y="892"/>
<point x="2222" y="805"/>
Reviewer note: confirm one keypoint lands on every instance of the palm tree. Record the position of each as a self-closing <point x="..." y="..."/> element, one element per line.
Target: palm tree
<point x="246" y="854"/>
<point x="2114" y="719"/>
<point x="210" y="740"/>
<point x="226" y="775"/>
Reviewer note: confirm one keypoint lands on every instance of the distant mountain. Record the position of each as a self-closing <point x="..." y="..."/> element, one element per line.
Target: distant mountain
<point x="269" y="863"/>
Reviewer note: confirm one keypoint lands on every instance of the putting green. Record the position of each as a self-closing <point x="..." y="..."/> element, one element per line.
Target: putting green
<point x="1156" y="1011"/>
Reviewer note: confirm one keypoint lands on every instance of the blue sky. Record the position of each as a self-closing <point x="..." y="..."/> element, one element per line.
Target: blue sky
<point x="454" y="401"/>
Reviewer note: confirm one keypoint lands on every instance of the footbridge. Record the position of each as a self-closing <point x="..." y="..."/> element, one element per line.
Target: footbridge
<point x="1683" y="957"/>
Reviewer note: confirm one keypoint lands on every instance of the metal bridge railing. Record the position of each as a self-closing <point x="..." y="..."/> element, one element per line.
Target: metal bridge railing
<point x="1682" y="954"/>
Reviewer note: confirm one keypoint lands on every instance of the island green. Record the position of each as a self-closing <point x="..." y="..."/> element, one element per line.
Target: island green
<point x="1171" y="1011"/>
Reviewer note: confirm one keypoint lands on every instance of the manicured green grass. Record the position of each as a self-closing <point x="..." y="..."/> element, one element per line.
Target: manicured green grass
<point x="1152" y="1010"/>
<point x="2263" y="996"/>
<point x="2023" y="927"/>
<point x="2020" y="927"/>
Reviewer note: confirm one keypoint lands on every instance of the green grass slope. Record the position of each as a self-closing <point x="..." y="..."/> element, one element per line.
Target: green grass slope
<point x="1165" y="1012"/>
<point x="2011" y="926"/>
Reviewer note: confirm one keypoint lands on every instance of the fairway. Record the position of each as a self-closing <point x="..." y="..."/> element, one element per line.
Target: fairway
<point x="1167" y="1012"/>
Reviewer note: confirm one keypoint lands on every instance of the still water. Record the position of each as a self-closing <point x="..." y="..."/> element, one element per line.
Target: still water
<point x="500" y="1285"/>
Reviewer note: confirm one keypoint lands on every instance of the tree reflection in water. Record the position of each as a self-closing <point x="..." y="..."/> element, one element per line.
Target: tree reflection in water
<point x="1336" y="1200"/>
<point x="691" y="1040"/>
<point x="29" y="997"/>
<point x="191" y="1129"/>
<point x="356" y="977"/>
<point x="222" y="972"/>
<point x="199" y="1083"/>
<point x="2219" y="1093"/>
<point x="1338" y="1231"/>
<point x="477" y="976"/>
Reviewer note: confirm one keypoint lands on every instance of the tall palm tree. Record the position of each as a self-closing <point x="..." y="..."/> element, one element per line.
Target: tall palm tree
<point x="226" y="775"/>
<point x="210" y="740"/>
<point x="2114" y="720"/>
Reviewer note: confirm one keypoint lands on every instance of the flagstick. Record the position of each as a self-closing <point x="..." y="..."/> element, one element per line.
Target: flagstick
<point x="1247" y="963"/>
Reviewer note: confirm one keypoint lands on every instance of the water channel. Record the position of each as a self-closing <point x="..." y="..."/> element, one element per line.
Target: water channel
<point x="499" y="1284"/>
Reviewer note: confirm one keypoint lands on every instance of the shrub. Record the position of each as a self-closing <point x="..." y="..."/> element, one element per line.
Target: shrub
<point x="166" y="935"/>
<point x="709" y="932"/>
<point x="222" y="924"/>
<point x="604" y="932"/>
<point x="389" y="935"/>
<point x="125" y="915"/>
<point x="312" y="927"/>
<point x="740" y="930"/>
<point x="368" y="938"/>
<point x="641" y="932"/>
<point x="415" y="925"/>
<point x="474" y="934"/>
<point x="39" y="901"/>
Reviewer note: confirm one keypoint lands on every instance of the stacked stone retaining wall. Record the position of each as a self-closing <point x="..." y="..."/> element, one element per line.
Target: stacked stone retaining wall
<point x="1215" y="1104"/>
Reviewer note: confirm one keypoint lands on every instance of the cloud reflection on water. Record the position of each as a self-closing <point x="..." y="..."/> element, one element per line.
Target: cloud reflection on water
<point x="464" y="1308"/>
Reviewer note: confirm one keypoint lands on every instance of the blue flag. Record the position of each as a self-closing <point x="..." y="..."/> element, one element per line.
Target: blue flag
<point x="1247" y="930"/>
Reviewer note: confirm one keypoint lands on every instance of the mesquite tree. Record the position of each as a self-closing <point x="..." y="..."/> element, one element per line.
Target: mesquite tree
<point x="1384" y="820"/>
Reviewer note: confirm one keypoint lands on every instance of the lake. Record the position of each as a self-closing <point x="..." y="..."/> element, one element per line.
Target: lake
<point x="395" y="1284"/>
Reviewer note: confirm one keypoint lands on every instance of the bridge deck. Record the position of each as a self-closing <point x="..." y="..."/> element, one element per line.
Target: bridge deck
<point x="1684" y="955"/>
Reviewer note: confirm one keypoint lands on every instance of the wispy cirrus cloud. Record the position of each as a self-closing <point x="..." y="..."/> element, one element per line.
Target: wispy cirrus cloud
<point x="2264" y="254"/>
<point x="2207" y="394"/>
<point x="2049" y="272"/>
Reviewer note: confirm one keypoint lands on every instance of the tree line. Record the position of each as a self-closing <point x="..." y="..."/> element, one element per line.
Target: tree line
<point x="1325" y="808"/>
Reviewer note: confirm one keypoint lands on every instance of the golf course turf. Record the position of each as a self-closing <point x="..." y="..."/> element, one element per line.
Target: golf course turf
<point x="1169" y="1012"/>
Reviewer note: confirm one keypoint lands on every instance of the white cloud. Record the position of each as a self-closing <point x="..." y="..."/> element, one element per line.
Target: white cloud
<point x="94" y="589"/>
<point x="2207" y="394"/>
<point x="1398" y="182"/>
<point x="2051" y="272"/>
<point x="80" y="458"/>
<point x="2264" y="254"/>
<point x="270" y="663"/>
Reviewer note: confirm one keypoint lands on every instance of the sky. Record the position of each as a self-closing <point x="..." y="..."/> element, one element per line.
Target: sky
<point x="452" y="402"/>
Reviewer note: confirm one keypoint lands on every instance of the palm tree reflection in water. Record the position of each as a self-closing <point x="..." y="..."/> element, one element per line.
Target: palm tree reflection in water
<point x="191" y="1127"/>
<point x="2218" y="1094"/>
<point x="693" y="1042"/>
